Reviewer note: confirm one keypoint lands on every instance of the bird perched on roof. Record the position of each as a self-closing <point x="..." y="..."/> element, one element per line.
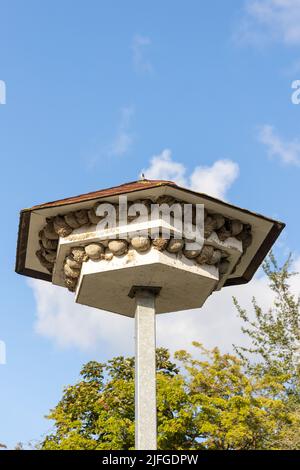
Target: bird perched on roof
<point x="142" y="176"/>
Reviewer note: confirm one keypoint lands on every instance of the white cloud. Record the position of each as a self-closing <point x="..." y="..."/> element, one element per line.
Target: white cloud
<point x="266" y="21"/>
<point x="163" y="167"/>
<point x="68" y="324"/>
<point x="123" y="139"/>
<point x="287" y="151"/>
<point x="215" y="324"/>
<point x="214" y="180"/>
<point x="139" y="44"/>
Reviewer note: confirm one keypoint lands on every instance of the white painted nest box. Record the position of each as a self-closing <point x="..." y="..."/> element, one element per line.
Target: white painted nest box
<point x="60" y="242"/>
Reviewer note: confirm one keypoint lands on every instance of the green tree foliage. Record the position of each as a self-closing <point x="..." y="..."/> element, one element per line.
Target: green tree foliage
<point x="275" y="334"/>
<point x="207" y="400"/>
<point x="213" y="405"/>
<point x="275" y="344"/>
<point x="98" y="411"/>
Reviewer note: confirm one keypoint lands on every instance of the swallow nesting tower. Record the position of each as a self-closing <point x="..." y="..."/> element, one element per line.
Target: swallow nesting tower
<point x="131" y="267"/>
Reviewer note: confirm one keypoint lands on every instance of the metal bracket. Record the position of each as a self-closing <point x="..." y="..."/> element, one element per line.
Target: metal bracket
<point x="153" y="289"/>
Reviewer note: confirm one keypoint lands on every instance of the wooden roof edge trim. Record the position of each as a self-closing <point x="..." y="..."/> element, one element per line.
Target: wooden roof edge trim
<point x="260" y="255"/>
<point x="23" y="233"/>
<point x="156" y="183"/>
<point x="232" y="206"/>
<point x="115" y="190"/>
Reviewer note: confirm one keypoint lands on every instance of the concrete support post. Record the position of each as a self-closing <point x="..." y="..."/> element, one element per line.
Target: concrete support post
<point x="145" y="371"/>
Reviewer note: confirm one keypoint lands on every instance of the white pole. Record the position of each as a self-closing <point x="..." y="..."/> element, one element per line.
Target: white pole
<point x="145" y="371"/>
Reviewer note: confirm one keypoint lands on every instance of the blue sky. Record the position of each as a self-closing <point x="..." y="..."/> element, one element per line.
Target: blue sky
<point x="96" y="91"/>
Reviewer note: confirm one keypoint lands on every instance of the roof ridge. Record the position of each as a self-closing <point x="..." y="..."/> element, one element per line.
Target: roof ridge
<point x="134" y="185"/>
